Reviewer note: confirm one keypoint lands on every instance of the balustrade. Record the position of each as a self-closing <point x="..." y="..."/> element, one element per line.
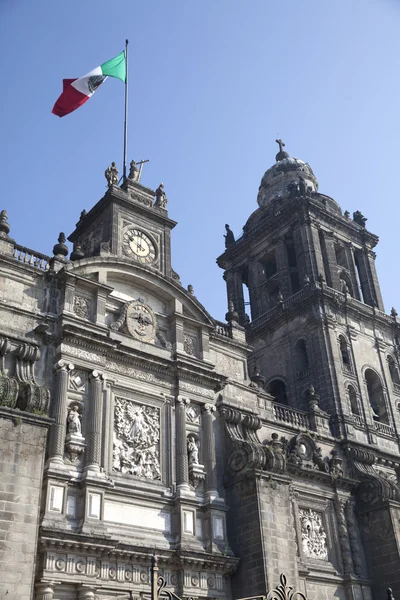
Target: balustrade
<point x="297" y="418"/>
<point x="31" y="258"/>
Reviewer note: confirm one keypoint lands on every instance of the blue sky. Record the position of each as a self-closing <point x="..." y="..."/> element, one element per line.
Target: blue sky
<point x="212" y="85"/>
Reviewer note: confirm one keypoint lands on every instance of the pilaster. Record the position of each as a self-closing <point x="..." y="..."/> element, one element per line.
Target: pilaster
<point x="94" y="421"/>
<point x="209" y="452"/>
<point x="59" y="412"/>
<point x="182" y="463"/>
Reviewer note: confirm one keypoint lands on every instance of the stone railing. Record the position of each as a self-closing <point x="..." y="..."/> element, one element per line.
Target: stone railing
<point x="383" y="428"/>
<point x="223" y="329"/>
<point x="347" y="368"/>
<point x="30" y="257"/>
<point x="358" y="420"/>
<point x="294" y="417"/>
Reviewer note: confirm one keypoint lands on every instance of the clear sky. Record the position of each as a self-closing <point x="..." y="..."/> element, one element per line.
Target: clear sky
<point x="212" y="85"/>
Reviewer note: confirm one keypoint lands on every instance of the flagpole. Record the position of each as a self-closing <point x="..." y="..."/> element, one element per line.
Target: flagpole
<point x="126" y="110"/>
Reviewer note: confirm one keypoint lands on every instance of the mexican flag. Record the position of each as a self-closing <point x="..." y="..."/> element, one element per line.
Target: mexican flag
<point x="77" y="91"/>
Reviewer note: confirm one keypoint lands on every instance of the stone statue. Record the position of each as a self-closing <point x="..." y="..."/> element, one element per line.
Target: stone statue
<point x="161" y="198"/>
<point x="293" y="189"/>
<point x="190" y="289"/>
<point x="193" y="450"/>
<point x="133" y="172"/>
<point x="229" y="237"/>
<point x="302" y="186"/>
<point x="74" y="421"/>
<point x="359" y="218"/>
<point x="111" y="174"/>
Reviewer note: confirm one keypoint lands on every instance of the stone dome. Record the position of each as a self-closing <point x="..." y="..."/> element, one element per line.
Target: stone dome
<point x="274" y="185"/>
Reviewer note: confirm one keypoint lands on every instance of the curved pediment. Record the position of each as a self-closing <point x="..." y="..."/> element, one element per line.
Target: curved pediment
<point x="130" y="282"/>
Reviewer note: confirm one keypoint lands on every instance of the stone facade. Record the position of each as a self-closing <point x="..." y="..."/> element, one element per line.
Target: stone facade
<point x="236" y="450"/>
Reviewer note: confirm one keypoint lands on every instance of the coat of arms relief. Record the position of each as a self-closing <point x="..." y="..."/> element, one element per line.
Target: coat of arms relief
<point x="138" y="319"/>
<point x="136" y="449"/>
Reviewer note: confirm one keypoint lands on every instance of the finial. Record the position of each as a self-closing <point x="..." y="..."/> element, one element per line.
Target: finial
<point x="257" y="379"/>
<point x="313" y="398"/>
<point x="281" y="154"/>
<point x="83" y="214"/>
<point x="77" y="252"/>
<point x="346" y="214"/>
<point x="4" y="225"/>
<point x="229" y="237"/>
<point x="61" y="249"/>
<point x="190" y="289"/>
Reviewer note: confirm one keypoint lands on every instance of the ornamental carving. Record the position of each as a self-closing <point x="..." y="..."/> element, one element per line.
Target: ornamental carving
<point x="136" y="439"/>
<point x="193" y="413"/>
<point x="313" y="536"/>
<point x="81" y="307"/>
<point x="139" y="320"/>
<point x="189" y="345"/>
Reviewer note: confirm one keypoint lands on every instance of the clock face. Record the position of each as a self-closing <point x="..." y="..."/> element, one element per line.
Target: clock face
<point x="138" y="245"/>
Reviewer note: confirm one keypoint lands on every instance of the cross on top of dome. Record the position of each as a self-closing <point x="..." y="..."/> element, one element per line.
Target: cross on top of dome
<point x="281" y="154"/>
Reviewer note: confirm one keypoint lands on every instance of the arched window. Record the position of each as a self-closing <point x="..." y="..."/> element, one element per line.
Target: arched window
<point x="344" y="351"/>
<point x="301" y="356"/>
<point x="277" y="389"/>
<point x="353" y="400"/>
<point x="376" y="397"/>
<point x="394" y="373"/>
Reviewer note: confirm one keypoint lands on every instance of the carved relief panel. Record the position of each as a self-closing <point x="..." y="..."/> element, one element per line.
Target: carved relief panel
<point x="313" y="534"/>
<point x="136" y="447"/>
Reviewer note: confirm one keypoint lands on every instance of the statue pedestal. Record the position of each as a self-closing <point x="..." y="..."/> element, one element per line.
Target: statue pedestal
<point x="74" y="446"/>
<point x="196" y="474"/>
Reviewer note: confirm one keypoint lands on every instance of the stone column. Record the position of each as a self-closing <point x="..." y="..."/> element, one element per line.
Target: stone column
<point x="354" y="537"/>
<point x="353" y="270"/>
<point x="234" y="287"/>
<point x="340" y="504"/>
<point x="182" y="466"/>
<point x="94" y="421"/>
<point x="59" y="412"/>
<point x="374" y="279"/>
<point x="332" y="277"/>
<point x="44" y="591"/>
<point x="86" y="592"/>
<point x="283" y="268"/>
<point x="211" y="487"/>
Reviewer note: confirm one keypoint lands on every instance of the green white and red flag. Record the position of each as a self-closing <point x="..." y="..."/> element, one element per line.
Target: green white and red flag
<point x="77" y="91"/>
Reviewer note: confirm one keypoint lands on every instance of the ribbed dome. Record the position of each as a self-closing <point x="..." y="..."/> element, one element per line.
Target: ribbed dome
<point x="286" y="170"/>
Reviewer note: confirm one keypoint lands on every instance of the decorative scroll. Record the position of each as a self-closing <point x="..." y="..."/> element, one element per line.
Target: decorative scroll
<point x="313" y="536"/>
<point x="136" y="439"/>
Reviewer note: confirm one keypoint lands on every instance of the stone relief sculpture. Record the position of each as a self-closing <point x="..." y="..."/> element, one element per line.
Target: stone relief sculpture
<point x="81" y="306"/>
<point x="136" y="439"/>
<point x="313" y="536"/>
<point x="139" y="320"/>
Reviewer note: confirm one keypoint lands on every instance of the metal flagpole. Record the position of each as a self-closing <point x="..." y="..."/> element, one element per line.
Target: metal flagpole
<point x="126" y="110"/>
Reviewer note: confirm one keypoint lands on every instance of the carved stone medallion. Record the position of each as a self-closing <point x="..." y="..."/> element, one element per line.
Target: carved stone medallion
<point x="139" y="319"/>
<point x="136" y="439"/>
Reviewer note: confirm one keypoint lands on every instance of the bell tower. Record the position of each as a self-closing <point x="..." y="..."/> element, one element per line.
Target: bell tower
<point x="316" y="313"/>
<point x="129" y="221"/>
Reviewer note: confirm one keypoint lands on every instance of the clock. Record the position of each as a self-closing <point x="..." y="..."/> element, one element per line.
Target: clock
<point x="138" y="245"/>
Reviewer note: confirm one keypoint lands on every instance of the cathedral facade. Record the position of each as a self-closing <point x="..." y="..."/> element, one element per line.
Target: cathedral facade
<point x="133" y="424"/>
